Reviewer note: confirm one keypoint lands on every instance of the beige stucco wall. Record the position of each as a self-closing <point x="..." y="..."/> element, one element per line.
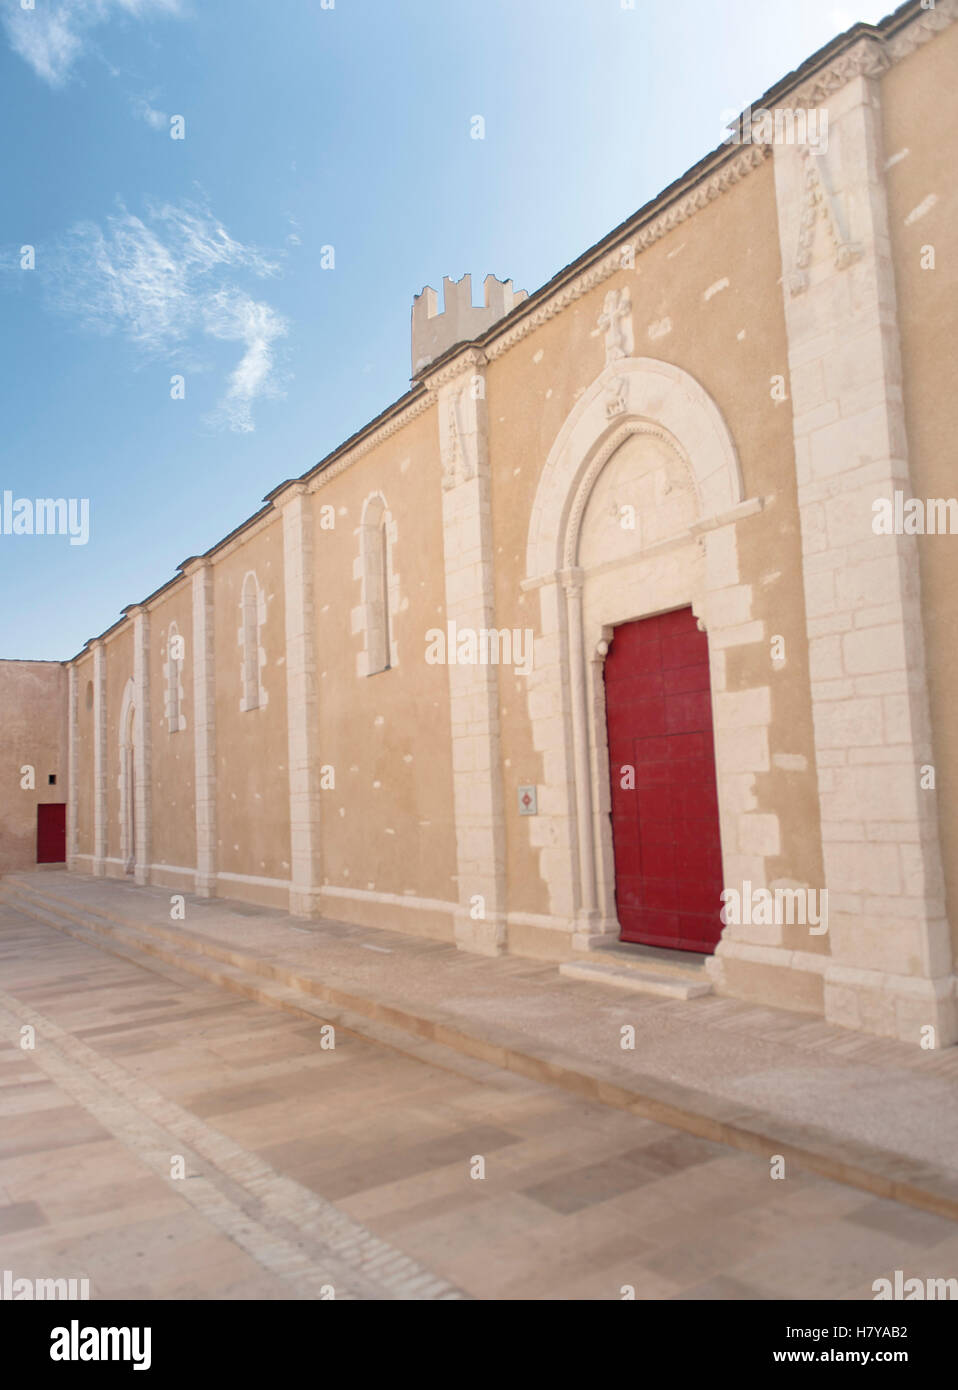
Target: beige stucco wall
<point x="920" y="120"/>
<point x="33" y="732"/>
<point x="174" y="824"/>
<point x="251" y="745"/>
<point x="388" y="826"/>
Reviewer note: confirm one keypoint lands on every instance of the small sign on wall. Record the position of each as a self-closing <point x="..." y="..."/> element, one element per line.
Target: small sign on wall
<point x="528" y="804"/>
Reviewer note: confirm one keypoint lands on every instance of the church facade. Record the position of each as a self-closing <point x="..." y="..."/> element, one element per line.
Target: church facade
<point x="620" y="624"/>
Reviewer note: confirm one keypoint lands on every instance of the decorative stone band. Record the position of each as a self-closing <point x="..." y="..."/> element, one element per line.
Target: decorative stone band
<point x="363" y="446"/>
<point x="870" y="56"/>
<point x="725" y="177"/>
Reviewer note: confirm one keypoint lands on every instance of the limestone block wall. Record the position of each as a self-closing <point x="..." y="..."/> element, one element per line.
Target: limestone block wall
<point x="388" y="838"/>
<point x="891" y="967"/>
<point x="919" y="119"/>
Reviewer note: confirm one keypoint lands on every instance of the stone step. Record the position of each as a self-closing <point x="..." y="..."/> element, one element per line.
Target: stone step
<point x="684" y="964"/>
<point x="637" y="979"/>
<point x="150" y="933"/>
<point x="147" y="947"/>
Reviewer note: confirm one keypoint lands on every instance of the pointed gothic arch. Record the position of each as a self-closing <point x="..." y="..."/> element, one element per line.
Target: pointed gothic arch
<point x="631" y="394"/>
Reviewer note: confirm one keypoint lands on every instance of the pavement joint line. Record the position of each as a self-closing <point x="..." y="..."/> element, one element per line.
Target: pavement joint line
<point x="104" y="1089"/>
<point x="679" y="1107"/>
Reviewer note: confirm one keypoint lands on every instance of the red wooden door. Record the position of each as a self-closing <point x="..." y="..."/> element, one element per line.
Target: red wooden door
<point x="52" y="833"/>
<point x="665" y="827"/>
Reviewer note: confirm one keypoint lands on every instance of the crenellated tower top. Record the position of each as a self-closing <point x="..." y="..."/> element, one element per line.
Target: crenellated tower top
<point x="460" y="320"/>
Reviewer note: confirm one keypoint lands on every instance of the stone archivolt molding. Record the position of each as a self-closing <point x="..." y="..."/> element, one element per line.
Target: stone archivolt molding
<point x="662" y="400"/>
<point x="570" y="552"/>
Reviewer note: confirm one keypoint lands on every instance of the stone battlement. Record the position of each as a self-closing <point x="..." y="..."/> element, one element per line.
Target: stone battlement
<point x="433" y="332"/>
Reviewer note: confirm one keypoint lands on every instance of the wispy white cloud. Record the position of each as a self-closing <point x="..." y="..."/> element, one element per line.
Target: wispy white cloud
<point x="165" y="281"/>
<point x="235" y="317"/>
<point x="141" y="108"/>
<point x="53" y="35"/>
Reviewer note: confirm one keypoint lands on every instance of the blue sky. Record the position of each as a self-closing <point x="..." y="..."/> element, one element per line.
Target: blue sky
<point x="305" y="128"/>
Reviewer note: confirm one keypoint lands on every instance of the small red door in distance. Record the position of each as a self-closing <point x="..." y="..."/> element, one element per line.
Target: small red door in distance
<point x="665" y="827"/>
<point x="52" y="833"/>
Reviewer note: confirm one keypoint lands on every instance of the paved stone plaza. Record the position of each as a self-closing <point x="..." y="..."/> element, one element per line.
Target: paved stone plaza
<point x="311" y="1170"/>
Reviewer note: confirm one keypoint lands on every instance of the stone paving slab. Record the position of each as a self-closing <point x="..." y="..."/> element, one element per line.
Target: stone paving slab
<point x="356" y="1164"/>
<point x="858" y="1109"/>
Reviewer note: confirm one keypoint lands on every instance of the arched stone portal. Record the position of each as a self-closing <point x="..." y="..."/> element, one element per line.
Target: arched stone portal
<point x="635" y="514"/>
